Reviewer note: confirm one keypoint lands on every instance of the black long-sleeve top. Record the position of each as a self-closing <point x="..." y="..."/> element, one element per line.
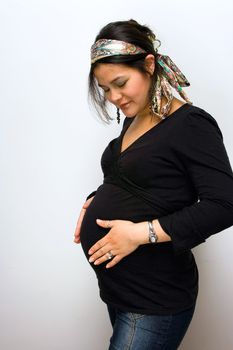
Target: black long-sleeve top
<point x="179" y="173"/>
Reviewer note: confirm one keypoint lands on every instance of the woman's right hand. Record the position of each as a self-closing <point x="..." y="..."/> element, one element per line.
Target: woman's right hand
<point x="80" y="219"/>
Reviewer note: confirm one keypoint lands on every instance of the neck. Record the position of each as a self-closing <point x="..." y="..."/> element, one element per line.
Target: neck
<point x="146" y="117"/>
<point x="146" y="113"/>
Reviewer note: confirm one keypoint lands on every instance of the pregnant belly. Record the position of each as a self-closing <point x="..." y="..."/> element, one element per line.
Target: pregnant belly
<point x="110" y="203"/>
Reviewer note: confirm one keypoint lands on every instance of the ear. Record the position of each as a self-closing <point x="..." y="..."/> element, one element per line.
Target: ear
<point x="150" y="63"/>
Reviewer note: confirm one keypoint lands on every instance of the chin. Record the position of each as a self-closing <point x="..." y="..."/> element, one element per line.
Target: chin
<point x="129" y="114"/>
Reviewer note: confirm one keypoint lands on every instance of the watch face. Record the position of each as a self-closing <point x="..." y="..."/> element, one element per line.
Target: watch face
<point x="153" y="239"/>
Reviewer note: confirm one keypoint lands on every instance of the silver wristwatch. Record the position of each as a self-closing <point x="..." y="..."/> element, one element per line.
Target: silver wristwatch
<point x="152" y="235"/>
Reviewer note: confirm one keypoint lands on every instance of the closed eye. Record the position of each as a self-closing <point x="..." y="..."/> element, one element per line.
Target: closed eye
<point x="118" y="84"/>
<point x="121" y="84"/>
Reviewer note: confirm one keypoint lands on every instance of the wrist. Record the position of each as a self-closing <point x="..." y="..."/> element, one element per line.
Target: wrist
<point x="142" y="232"/>
<point x="153" y="237"/>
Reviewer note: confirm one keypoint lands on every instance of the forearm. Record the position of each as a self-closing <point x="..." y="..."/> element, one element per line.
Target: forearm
<point x="192" y="225"/>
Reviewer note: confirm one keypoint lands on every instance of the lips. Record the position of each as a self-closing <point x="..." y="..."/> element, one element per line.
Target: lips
<point x="124" y="105"/>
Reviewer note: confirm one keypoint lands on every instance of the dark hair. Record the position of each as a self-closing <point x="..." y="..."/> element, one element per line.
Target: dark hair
<point x="130" y="32"/>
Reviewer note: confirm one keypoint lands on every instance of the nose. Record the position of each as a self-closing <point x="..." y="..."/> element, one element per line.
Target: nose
<point x="114" y="96"/>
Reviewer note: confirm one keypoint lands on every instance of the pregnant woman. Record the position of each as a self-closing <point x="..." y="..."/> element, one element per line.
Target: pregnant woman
<point x="168" y="186"/>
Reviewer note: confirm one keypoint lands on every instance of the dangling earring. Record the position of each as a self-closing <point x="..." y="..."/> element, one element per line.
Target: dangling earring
<point x="155" y="105"/>
<point x="118" y="116"/>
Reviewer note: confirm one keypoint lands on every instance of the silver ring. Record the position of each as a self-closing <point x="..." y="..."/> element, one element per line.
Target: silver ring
<point x="109" y="255"/>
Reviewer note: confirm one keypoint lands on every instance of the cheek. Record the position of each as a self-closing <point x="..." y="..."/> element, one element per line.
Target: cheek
<point x="142" y="88"/>
<point x="139" y="91"/>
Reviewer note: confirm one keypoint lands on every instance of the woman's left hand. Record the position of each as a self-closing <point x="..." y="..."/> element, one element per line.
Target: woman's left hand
<point x="120" y="241"/>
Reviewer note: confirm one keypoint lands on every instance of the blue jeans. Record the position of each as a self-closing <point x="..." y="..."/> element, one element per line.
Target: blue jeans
<point x="133" y="331"/>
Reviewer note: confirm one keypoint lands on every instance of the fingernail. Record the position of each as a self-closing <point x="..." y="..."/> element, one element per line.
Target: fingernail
<point x="91" y="260"/>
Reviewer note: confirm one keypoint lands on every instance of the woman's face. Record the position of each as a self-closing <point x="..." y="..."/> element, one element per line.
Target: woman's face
<point x="125" y="87"/>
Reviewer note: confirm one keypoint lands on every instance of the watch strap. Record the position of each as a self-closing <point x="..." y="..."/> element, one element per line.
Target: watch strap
<point x="152" y="234"/>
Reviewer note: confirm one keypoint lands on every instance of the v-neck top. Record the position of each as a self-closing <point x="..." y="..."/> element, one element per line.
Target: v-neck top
<point x="128" y="122"/>
<point x="178" y="172"/>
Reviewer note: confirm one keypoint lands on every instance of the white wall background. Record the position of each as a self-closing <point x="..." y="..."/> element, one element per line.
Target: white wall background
<point x="50" y="145"/>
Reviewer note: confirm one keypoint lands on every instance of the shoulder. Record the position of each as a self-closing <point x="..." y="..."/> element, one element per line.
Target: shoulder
<point x="195" y="120"/>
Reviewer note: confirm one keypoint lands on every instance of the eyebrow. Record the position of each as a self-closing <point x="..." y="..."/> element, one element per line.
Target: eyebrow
<point x="113" y="81"/>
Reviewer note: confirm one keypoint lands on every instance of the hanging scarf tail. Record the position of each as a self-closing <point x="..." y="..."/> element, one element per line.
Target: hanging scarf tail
<point x="171" y="77"/>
